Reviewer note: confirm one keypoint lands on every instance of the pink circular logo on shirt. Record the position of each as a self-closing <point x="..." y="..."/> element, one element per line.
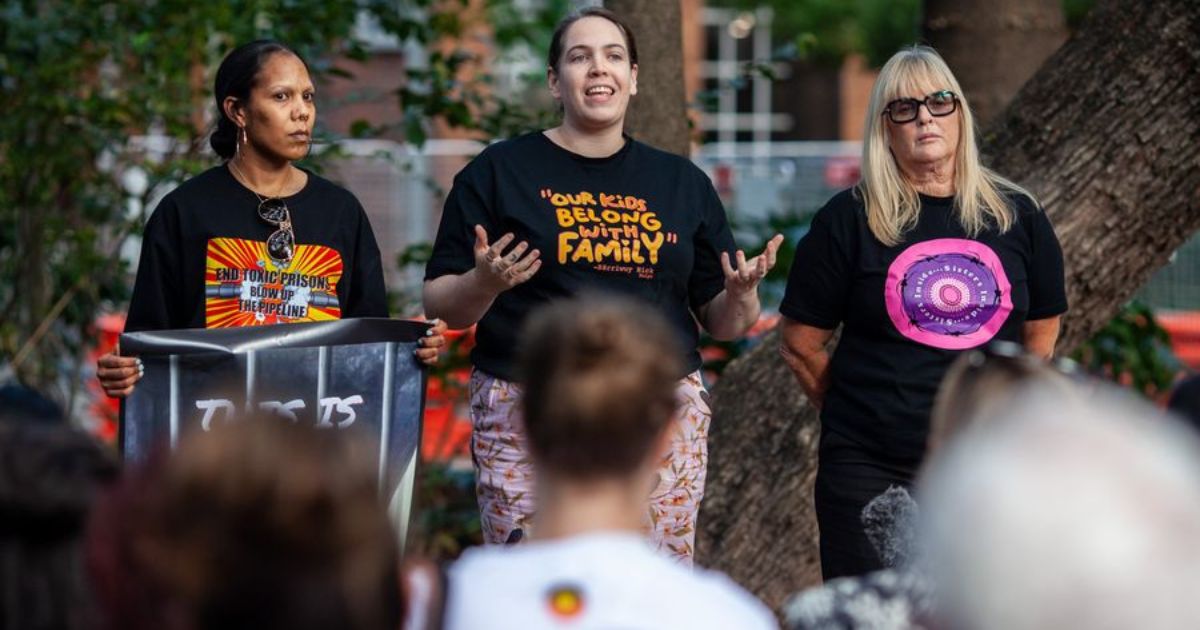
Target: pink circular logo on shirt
<point x="948" y="293"/>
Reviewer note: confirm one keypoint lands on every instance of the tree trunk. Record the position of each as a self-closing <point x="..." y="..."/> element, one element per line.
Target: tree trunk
<point x="1106" y="134"/>
<point x="658" y="114"/>
<point x="994" y="46"/>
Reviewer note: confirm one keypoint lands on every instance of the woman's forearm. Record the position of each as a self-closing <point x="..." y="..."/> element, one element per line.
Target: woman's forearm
<point x="459" y="300"/>
<point x="728" y="317"/>
<point x="1040" y="336"/>
<point x="803" y="349"/>
<point x="811" y="371"/>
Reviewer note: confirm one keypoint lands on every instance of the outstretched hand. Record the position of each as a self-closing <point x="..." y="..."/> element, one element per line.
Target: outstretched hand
<point x="499" y="270"/>
<point x="749" y="273"/>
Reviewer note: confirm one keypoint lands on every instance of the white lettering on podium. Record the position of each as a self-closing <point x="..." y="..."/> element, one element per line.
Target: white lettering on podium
<point x="210" y="408"/>
<point x="343" y="406"/>
<point x="283" y="409"/>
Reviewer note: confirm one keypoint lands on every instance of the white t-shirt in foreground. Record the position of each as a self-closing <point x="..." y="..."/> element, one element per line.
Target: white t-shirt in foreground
<point x="603" y="580"/>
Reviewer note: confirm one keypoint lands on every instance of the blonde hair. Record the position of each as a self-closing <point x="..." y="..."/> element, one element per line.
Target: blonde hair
<point x="891" y="200"/>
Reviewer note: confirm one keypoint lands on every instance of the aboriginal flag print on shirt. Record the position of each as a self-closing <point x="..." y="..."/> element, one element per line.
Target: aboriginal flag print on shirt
<point x="204" y="262"/>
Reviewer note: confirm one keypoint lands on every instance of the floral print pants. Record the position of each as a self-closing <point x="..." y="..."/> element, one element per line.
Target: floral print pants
<point x="504" y="476"/>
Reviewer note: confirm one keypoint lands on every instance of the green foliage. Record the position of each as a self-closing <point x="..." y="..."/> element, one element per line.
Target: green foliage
<point x="873" y="28"/>
<point x="837" y="28"/>
<point x="1134" y="350"/>
<point x="447" y="517"/>
<point x="454" y="84"/>
<point x="513" y="26"/>
<point x="755" y="233"/>
<point x="1075" y="11"/>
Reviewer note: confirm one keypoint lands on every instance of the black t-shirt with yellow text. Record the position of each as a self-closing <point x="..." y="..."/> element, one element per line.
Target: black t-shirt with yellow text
<point x="642" y="223"/>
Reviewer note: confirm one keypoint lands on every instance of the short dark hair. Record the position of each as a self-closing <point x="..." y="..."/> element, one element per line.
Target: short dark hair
<point x="261" y="523"/>
<point x="560" y="31"/>
<point x="50" y="477"/>
<point x="600" y="374"/>
<point x="23" y="404"/>
<point x="236" y="77"/>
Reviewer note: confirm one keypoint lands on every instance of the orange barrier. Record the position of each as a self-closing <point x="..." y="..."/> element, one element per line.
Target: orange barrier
<point x="1184" y="329"/>
<point x="447" y="430"/>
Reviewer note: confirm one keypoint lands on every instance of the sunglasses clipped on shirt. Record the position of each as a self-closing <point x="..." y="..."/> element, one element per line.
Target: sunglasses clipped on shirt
<point x="281" y="244"/>
<point x="905" y="110"/>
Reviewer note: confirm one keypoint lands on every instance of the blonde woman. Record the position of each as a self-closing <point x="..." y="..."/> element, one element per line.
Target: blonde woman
<point x="930" y="254"/>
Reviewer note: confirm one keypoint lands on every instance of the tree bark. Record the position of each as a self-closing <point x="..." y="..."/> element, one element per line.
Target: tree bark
<point x="994" y="46"/>
<point x="658" y="114"/>
<point x="1106" y="134"/>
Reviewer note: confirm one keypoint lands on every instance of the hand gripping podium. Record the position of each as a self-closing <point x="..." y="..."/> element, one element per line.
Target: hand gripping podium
<point x="347" y="375"/>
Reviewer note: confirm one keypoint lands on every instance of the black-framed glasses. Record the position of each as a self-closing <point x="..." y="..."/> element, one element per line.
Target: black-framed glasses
<point x="281" y="244"/>
<point x="904" y="110"/>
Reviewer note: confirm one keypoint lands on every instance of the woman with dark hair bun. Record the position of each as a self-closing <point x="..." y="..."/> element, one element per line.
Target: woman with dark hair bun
<point x="256" y="240"/>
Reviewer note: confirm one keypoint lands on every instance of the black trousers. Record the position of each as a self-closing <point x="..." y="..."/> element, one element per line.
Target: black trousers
<point x="848" y="477"/>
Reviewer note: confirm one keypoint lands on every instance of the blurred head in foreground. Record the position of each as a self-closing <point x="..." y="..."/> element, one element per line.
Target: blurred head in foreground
<point x="1065" y="514"/>
<point x="600" y="377"/>
<point x="978" y="384"/>
<point x="260" y="524"/>
<point x="50" y="475"/>
<point x="982" y="381"/>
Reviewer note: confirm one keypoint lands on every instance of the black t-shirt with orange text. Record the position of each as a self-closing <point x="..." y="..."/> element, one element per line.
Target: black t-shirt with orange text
<point x="642" y="222"/>
<point x="204" y="260"/>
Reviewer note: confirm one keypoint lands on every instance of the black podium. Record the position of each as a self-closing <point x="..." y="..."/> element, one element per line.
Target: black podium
<point x="355" y="375"/>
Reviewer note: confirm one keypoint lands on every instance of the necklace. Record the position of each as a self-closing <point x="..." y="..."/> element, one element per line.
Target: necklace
<point x="281" y="245"/>
<point x="246" y="182"/>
